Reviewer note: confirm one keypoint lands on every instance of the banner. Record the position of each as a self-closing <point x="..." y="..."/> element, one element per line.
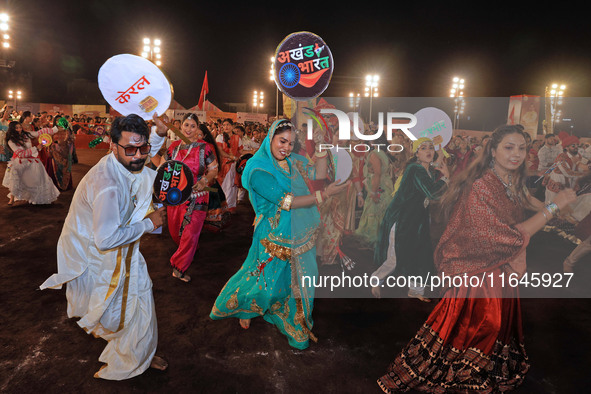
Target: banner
<point x="66" y="109"/>
<point x="212" y="116"/>
<point x="180" y="114"/>
<point x="24" y="106"/>
<point x="89" y="110"/>
<point x="243" y="117"/>
<point x="525" y="110"/>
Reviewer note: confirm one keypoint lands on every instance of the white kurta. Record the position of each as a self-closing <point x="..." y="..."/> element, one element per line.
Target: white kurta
<point x="547" y="154"/>
<point x="108" y="285"/>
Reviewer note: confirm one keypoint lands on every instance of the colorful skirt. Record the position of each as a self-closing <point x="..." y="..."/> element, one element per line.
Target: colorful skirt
<point x="471" y="342"/>
<point x="273" y="288"/>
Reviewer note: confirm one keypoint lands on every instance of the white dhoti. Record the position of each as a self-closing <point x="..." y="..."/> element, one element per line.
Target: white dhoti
<point x="116" y="303"/>
<point x="129" y="352"/>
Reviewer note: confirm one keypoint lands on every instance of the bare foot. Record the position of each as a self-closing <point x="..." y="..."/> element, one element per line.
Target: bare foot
<point x="245" y="323"/>
<point x="418" y="296"/>
<point x="159" y="363"/>
<point x="179" y="275"/>
<point x="376" y="292"/>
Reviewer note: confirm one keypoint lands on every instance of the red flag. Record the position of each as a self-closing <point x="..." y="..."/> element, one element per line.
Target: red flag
<point x="204" y="91"/>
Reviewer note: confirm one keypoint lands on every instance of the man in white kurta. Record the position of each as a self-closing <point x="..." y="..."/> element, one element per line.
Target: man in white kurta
<point x="108" y="285"/>
<point x="548" y="153"/>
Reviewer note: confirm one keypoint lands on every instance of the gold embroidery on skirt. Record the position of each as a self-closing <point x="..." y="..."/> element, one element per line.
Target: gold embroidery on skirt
<point x="233" y="301"/>
<point x="300" y="335"/>
<point x="254" y="308"/>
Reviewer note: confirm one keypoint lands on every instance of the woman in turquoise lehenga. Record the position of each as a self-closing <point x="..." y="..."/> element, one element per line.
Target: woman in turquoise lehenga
<point x="271" y="281"/>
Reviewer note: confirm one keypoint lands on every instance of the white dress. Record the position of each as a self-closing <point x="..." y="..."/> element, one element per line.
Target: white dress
<point x="25" y="175"/>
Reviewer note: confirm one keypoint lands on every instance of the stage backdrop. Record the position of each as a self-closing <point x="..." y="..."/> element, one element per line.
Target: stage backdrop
<point x="525" y="110"/>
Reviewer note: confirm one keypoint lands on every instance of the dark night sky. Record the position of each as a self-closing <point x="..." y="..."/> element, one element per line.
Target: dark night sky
<point x="416" y="48"/>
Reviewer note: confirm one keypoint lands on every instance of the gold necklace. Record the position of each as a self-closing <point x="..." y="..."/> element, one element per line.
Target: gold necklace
<point x="508" y="186"/>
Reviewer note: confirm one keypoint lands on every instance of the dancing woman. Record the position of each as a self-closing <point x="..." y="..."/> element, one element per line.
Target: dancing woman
<point x="185" y="221"/>
<point x="269" y="283"/>
<point x="218" y="214"/>
<point x="473" y="341"/>
<point x="463" y="154"/>
<point x="59" y="160"/>
<point x="25" y="175"/>
<point x="379" y="187"/>
<point x="404" y="236"/>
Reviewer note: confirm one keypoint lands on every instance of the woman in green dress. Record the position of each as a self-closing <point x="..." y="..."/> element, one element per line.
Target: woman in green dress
<point x="404" y="237"/>
<point x="272" y="281"/>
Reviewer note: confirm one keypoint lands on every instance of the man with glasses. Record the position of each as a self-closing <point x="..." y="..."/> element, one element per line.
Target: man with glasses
<point x="98" y="254"/>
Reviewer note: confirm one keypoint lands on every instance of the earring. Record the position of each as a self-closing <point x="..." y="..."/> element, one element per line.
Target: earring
<point x="492" y="163"/>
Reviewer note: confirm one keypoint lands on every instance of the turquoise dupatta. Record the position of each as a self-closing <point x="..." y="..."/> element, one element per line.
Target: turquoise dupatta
<point x="293" y="228"/>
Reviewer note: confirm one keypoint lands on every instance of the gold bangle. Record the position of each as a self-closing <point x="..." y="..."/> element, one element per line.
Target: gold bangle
<point x="286" y="203"/>
<point x="318" y="197"/>
<point x="320" y="155"/>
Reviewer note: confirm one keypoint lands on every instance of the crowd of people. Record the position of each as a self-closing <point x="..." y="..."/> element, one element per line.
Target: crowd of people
<point x="492" y="193"/>
<point x="40" y="153"/>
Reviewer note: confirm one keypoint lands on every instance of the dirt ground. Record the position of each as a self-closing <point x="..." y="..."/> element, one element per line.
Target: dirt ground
<point x="44" y="351"/>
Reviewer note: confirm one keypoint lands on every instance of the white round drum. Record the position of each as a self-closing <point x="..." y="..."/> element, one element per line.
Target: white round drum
<point x="134" y="85"/>
<point x="342" y="163"/>
<point x="435" y="124"/>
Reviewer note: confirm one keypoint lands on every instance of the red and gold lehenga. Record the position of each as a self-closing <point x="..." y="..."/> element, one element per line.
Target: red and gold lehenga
<point x="472" y="341"/>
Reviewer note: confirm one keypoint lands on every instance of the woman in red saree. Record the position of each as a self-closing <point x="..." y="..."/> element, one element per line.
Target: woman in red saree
<point x="472" y="341"/>
<point x="185" y="221"/>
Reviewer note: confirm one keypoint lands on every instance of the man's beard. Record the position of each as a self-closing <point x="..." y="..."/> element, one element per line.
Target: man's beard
<point x="134" y="166"/>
